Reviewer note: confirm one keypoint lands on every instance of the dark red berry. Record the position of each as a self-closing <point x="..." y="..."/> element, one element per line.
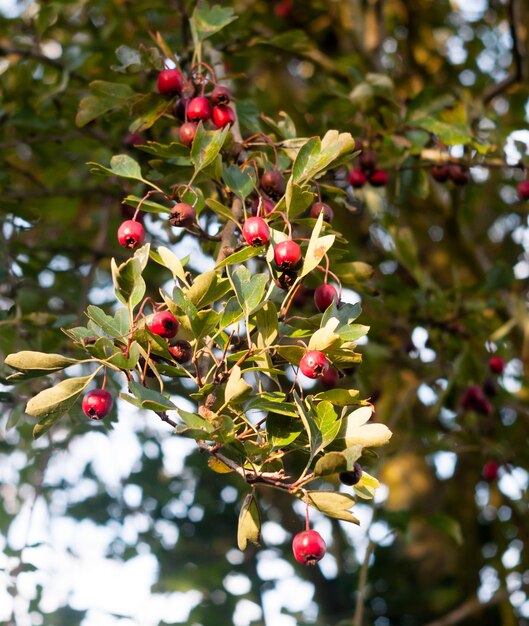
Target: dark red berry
<point x="440" y="173"/>
<point x="324" y="296"/>
<point x="262" y="206"/>
<point x="286" y="279"/>
<point x="368" y="160"/>
<point x="187" y="133"/>
<point x="474" y="399"/>
<point x="352" y="477"/>
<point x="357" y="178"/>
<point x="283" y="8"/>
<point x="273" y="183"/>
<point x="223" y="115"/>
<point x="318" y="207"/>
<point x="458" y="175"/>
<point x="132" y="139"/>
<point x="164" y="324"/>
<point x="199" y="109"/>
<point x="182" y="214"/>
<point x="523" y="189"/>
<point x="496" y="364"/>
<point x="490" y="471"/>
<point x="181" y="350"/>
<point x="314" y="364"/>
<point x="287" y="254"/>
<point x="180" y="108"/>
<point x="170" y="81"/>
<point x="308" y="547"/>
<point x="256" y="232"/>
<point x="490" y="389"/>
<point x="220" y="95"/>
<point x="379" y="178"/>
<point x="97" y="404"/>
<point x="131" y="234"/>
<point x="330" y="378"/>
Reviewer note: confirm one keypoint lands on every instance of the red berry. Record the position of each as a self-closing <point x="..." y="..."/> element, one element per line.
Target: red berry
<point x="324" y="296"/>
<point x="181" y="350"/>
<point x="131" y="234"/>
<point x="440" y="173"/>
<point x="199" y="109"/>
<point x="97" y="404"/>
<point x="262" y="206"/>
<point x="523" y="189"/>
<point x="496" y="364"/>
<point x="474" y="399"/>
<point x="287" y="254"/>
<point x="256" y="232"/>
<point x="379" y="178"/>
<point x="458" y="174"/>
<point x="220" y="95"/>
<point x="353" y="477"/>
<point x="273" y="183"/>
<point x="182" y="214"/>
<point x="490" y="471"/>
<point x="308" y="547"/>
<point x="170" y="81"/>
<point x="187" y="133"/>
<point x="330" y="378"/>
<point x="283" y="9"/>
<point x="223" y="115"/>
<point x="164" y="324"/>
<point x="318" y="207"/>
<point x="132" y="139"/>
<point x="368" y="160"/>
<point x="357" y="178"/>
<point x="314" y="364"/>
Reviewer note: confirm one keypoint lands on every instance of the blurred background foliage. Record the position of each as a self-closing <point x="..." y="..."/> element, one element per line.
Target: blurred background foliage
<point x="120" y="523"/>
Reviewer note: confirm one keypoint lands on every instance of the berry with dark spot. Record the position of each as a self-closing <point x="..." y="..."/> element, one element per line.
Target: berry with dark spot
<point x="220" y="95"/>
<point x="256" y="231"/>
<point x="318" y="207"/>
<point x="97" y="404"/>
<point x="163" y="324"/>
<point x="273" y="183"/>
<point x="379" y="178"/>
<point x="131" y="234"/>
<point x="308" y="547"/>
<point x="314" y="364"/>
<point x="182" y="214"/>
<point x="181" y="350"/>
<point x="287" y="254"/>
<point x="357" y="178"/>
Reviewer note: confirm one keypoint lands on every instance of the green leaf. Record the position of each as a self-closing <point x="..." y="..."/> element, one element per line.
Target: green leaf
<point x="446" y="524"/>
<point x="249" y="528"/>
<point x="221" y="210"/>
<point x="368" y="484"/>
<point x="128" y="281"/>
<point x="231" y="313"/>
<point x="147" y="109"/>
<point x="340" y="397"/>
<point x="333" y="504"/>
<point x="297" y="198"/>
<point x="292" y="354"/>
<point x="240" y="182"/>
<point x="39" y="363"/>
<point x="283" y="429"/>
<point x="151" y="399"/>
<point x="117" y="326"/>
<point x="267" y="325"/>
<point x="316" y="156"/>
<point x="172" y="263"/>
<point x="330" y="463"/>
<point x="312" y="430"/>
<point x="105" y="96"/>
<point x="207" y="288"/>
<point x="206" y="146"/>
<point x="449" y="134"/>
<point x="148" y="206"/>
<point x="241" y="256"/>
<point x="249" y="287"/>
<point x="346" y="314"/>
<point x="317" y="248"/>
<point x="327" y="423"/>
<point x="353" y="273"/>
<point x="236" y="387"/>
<point x="207" y="21"/>
<point x="121" y="165"/>
<point x="325" y="339"/>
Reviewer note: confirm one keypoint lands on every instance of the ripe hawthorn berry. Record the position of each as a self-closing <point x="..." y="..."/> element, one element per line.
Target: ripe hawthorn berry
<point x="164" y="324"/>
<point x="352" y="477"/>
<point x="314" y="364"/>
<point x="324" y="296"/>
<point x="379" y="178"/>
<point x="440" y="173"/>
<point x="181" y="350"/>
<point x="187" y="133"/>
<point x="523" y="189"/>
<point x="220" y="95"/>
<point x="357" y="178"/>
<point x="368" y="160"/>
<point x="170" y="81"/>
<point x="458" y="175"/>
<point x="496" y="364"/>
<point x="330" y="378"/>
<point x="490" y="471"/>
<point x="223" y="115"/>
<point x="199" y="109"/>
<point x="287" y="254"/>
<point x="318" y="207"/>
<point x="262" y="205"/>
<point x="308" y="547"/>
<point x="474" y="399"/>
<point x="97" y="404"/>
<point x="273" y="183"/>
<point x="131" y="234"/>
<point x="256" y="232"/>
<point x="182" y="214"/>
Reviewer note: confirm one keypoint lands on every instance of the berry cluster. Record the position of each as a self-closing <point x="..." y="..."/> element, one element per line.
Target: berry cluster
<point x="458" y="174"/>
<point x="368" y="172"/>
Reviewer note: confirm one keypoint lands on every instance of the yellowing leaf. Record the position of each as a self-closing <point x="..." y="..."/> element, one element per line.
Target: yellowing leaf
<point x="359" y="433"/>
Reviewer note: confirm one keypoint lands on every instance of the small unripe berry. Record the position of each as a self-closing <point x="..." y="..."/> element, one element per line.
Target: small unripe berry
<point x="199" y="109"/>
<point x="187" y="133"/>
<point x="97" y="404"/>
<point x="523" y="189"/>
<point x="308" y="547"/>
<point x="256" y="231"/>
<point x="181" y="350"/>
<point x="379" y="178"/>
<point x="490" y="471"/>
<point x="287" y="254"/>
<point x="324" y="296"/>
<point x="496" y="364"/>
<point x="170" y="81"/>
<point x="314" y="364"/>
<point x="262" y="206"/>
<point x="458" y="175"/>
<point x="353" y="477"/>
<point x="440" y="173"/>
<point x="273" y="183"/>
<point x="220" y="95"/>
<point x="357" y="178"/>
<point x="182" y="214"/>
<point x="223" y="115"/>
<point x="163" y="323"/>
<point x="131" y="234"/>
<point x="318" y="207"/>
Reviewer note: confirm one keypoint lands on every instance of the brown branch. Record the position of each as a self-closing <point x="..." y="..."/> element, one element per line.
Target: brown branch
<point x="469" y="607"/>
<point x="518" y="54"/>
